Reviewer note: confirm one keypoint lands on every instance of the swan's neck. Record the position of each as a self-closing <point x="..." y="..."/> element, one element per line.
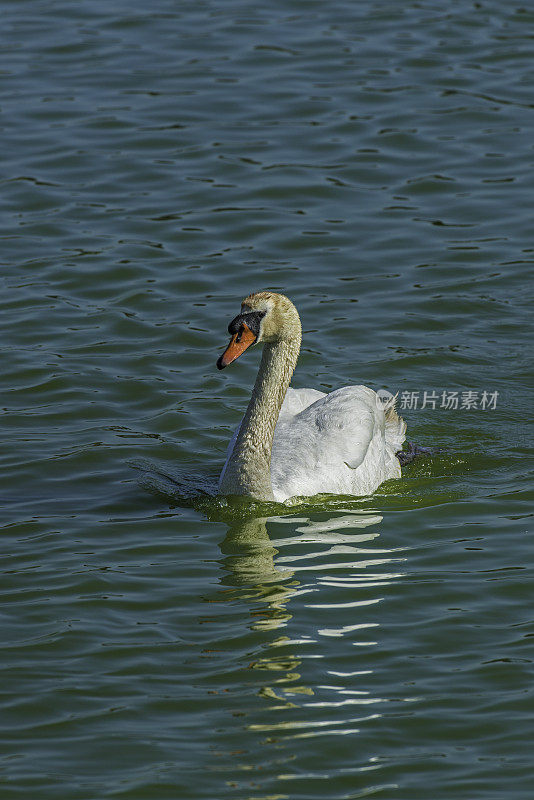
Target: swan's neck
<point x="248" y="471"/>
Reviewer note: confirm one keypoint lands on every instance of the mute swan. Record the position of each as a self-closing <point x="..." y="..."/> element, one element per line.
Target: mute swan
<point x="301" y="441"/>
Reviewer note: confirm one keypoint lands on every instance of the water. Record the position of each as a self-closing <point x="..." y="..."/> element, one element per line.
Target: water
<point x="373" y="161"/>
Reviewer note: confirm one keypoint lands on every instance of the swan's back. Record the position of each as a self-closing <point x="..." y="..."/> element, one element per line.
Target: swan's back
<point x="340" y="443"/>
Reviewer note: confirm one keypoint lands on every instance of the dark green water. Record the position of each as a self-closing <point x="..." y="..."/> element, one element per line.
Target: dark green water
<point x="374" y="162"/>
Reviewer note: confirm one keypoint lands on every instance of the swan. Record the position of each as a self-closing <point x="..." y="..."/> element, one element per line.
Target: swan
<point x="302" y="442"/>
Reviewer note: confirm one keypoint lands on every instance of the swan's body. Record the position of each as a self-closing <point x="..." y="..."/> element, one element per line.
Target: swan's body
<point x="302" y="442"/>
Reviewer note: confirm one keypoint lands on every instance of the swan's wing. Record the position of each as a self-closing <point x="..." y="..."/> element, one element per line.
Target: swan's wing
<point x="296" y="400"/>
<point x="343" y="443"/>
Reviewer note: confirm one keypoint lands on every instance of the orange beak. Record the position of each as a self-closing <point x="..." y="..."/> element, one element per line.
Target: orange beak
<point x="238" y="344"/>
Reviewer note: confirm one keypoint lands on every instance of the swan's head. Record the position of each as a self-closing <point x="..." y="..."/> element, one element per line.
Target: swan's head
<point x="264" y="317"/>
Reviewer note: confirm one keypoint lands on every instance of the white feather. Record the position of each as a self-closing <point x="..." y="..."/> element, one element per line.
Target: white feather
<point x="338" y="443"/>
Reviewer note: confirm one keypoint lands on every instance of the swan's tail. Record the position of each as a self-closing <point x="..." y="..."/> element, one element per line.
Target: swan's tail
<point x="395" y="428"/>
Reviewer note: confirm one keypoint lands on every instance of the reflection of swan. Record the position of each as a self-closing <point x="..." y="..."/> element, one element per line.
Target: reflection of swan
<point x="249" y="558"/>
<point x="301" y="441"/>
<point x="256" y="568"/>
<point x="338" y="555"/>
<point x="250" y="554"/>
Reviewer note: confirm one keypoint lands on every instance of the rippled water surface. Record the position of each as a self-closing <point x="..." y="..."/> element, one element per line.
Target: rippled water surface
<point x="373" y="160"/>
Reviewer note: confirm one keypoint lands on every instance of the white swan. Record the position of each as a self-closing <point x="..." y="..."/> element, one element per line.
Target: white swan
<point x="301" y="441"/>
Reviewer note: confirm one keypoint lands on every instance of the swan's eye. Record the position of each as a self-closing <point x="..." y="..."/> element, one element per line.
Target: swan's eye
<point x="240" y="334"/>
